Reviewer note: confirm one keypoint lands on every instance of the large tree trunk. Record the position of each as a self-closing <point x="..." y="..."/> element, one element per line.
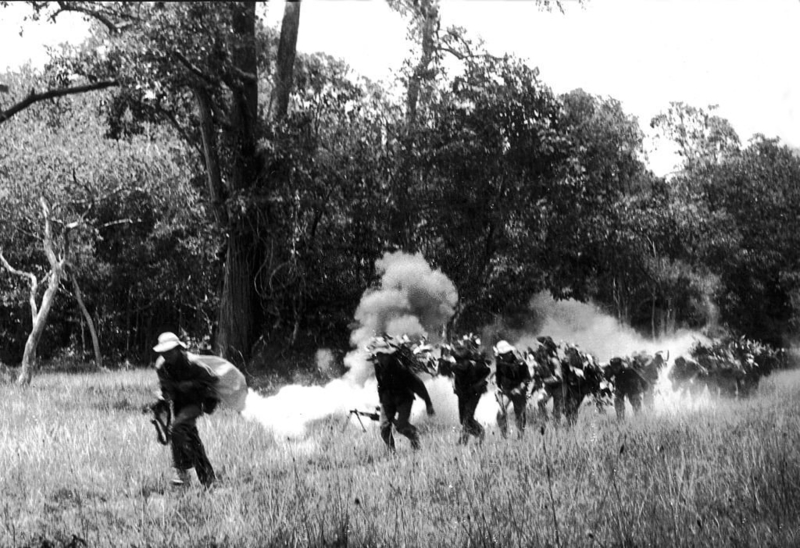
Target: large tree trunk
<point x="236" y="306"/>
<point x="237" y="310"/>
<point x="426" y="13"/>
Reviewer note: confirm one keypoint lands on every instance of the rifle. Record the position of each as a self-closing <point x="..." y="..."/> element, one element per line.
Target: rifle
<point x="376" y="416"/>
<point x="414" y="363"/>
<point x="162" y="418"/>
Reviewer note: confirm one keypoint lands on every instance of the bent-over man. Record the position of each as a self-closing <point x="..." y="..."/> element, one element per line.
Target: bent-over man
<point x="190" y="387"/>
<point x="470" y="374"/>
<point x="512" y="377"/>
<point x="397" y="385"/>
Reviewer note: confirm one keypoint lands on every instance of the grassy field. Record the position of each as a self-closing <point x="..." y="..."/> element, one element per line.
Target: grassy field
<point x="81" y="467"/>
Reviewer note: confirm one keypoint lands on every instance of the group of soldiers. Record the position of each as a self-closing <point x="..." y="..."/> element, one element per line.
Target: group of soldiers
<point x="731" y="367"/>
<point x="561" y="373"/>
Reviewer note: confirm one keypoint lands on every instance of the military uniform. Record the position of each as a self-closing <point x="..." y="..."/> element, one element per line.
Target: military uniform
<point x="397" y="386"/>
<point x="512" y="377"/>
<point x="546" y="374"/>
<point x="628" y="383"/>
<point x="649" y="367"/>
<point x="470" y="374"/>
<point x="189" y="385"/>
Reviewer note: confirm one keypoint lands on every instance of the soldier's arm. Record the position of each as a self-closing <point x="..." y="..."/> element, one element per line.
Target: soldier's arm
<point x="164" y="380"/>
<point x="418" y="387"/>
<point x="526" y="373"/>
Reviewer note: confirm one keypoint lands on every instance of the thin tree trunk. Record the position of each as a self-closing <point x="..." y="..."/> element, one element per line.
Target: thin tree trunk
<point x="287" y="50"/>
<point x="653" y="315"/>
<point x="39" y="317"/>
<point x="216" y="188"/>
<point x="29" y="360"/>
<point x="98" y="358"/>
<point x="428" y="12"/>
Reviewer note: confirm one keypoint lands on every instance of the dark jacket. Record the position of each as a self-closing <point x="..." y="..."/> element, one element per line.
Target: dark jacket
<point x="395" y="379"/>
<point x="470" y="376"/>
<point x="511" y="372"/>
<point x="187" y="383"/>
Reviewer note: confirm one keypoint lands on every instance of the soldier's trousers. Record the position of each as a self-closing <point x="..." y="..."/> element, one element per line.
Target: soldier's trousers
<point x="187" y="449"/>
<point x="519" y="402"/>
<point x="396" y="411"/>
<point x="467" y="404"/>
<point x="619" y="402"/>
<point x="566" y="401"/>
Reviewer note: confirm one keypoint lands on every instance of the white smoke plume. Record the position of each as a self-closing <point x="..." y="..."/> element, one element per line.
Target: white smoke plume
<point x="596" y="332"/>
<point x="412" y="299"/>
<point x="325" y="360"/>
<point x="605" y="337"/>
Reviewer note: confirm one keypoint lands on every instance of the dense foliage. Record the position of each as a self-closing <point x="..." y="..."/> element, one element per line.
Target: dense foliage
<point x="504" y="185"/>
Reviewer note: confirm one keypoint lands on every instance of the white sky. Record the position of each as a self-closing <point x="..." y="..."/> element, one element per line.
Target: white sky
<point x="739" y="54"/>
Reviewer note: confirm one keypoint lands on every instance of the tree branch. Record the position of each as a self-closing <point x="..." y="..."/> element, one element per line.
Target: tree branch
<point x="194" y="69"/>
<point x="114" y="28"/>
<point x="31" y="278"/>
<point x="34" y="97"/>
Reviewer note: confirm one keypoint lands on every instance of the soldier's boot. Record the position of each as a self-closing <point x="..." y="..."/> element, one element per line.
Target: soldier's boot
<point x="182" y="478"/>
<point x="521" y="420"/>
<point x="387" y="436"/>
<point x="413" y="436"/>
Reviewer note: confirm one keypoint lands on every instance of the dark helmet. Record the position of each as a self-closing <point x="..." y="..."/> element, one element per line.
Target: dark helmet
<point x="548" y="343"/>
<point x="460" y="349"/>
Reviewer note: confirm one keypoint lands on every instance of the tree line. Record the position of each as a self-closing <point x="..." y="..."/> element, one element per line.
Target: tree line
<point x="186" y="167"/>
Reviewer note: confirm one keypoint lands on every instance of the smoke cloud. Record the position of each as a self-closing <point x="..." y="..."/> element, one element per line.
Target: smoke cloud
<point x="603" y="336"/>
<point x="411" y="298"/>
<point x="414" y="299"/>
<point x="598" y="333"/>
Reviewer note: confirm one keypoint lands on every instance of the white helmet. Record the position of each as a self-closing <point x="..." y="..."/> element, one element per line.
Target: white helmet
<point x="503" y="347"/>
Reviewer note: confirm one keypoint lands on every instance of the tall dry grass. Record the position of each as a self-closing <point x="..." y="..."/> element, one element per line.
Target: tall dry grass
<point x="80" y="466"/>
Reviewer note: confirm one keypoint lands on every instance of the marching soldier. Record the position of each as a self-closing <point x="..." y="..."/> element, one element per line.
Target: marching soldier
<point x="649" y="367"/>
<point x="397" y="385"/>
<point x="628" y="383"/>
<point x="512" y="377"/>
<point x="546" y="373"/>
<point x="470" y="374"/>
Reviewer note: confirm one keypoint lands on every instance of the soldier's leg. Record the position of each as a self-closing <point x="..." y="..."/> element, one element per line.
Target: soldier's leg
<point x="558" y="402"/>
<point x="619" y="404"/>
<point x="636" y="401"/>
<point x="471" y="427"/>
<point x="401" y="422"/>
<point x="388" y="412"/>
<point x="462" y="419"/>
<point x="542" y="404"/>
<point x="502" y="413"/>
<point x="205" y="472"/>
<point x="649" y="397"/>
<point x="571" y="405"/>
<point x="187" y="449"/>
<point x="520" y="412"/>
